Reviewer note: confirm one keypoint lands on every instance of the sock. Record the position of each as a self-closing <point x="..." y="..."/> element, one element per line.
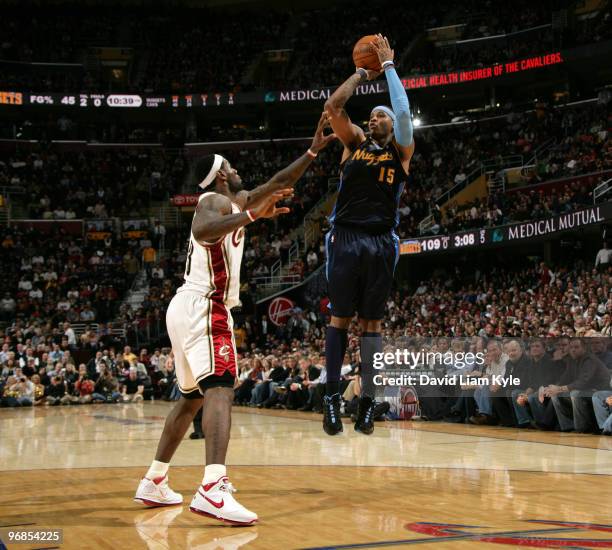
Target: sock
<point x="371" y="343"/>
<point x="336" y="341"/>
<point x="212" y="473"/>
<point x="157" y="469"/>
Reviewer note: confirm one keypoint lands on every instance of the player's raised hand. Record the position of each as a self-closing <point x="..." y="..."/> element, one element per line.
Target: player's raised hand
<point x="269" y="209"/>
<point x="382" y="49"/>
<point x="320" y="140"/>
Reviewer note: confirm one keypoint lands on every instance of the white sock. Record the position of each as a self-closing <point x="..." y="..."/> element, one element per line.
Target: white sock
<point x="212" y="472"/>
<point x="157" y="469"/>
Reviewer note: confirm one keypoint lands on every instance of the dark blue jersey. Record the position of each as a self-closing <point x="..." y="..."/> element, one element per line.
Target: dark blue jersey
<point x="371" y="183"/>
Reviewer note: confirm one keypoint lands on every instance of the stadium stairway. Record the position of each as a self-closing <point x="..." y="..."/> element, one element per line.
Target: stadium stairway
<point x="138" y="292"/>
<point x="304" y="237"/>
<point x="489" y="176"/>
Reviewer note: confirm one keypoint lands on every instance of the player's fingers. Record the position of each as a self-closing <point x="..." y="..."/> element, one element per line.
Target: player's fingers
<point x="322" y="119"/>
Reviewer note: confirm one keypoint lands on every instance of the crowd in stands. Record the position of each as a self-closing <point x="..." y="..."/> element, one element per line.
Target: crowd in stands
<point x="436" y="59"/>
<point x="189" y="54"/>
<point x="105" y="183"/>
<point x="500" y="208"/>
<point x="578" y="143"/>
<point x="170" y="52"/>
<point x="59" y="276"/>
<point x="51" y="376"/>
<point x="109" y="182"/>
<point x="92" y="184"/>
<point x="544" y="324"/>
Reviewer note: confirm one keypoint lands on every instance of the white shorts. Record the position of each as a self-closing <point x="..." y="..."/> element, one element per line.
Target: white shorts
<point x="202" y="336"/>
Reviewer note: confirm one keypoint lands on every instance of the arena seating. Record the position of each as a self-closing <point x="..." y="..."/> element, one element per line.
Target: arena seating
<point x="169" y="53"/>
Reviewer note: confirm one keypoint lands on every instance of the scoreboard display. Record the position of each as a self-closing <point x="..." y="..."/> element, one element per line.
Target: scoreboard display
<point x="127" y="101"/>
<point x="443" y="243"/>
<point x="531" y="230"/>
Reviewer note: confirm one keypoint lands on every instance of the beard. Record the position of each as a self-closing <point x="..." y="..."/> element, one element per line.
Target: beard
<point x="235" y="185"/>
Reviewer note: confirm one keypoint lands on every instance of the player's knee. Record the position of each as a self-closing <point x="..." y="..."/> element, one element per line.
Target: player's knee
<point x="220" y="394"/>
<point x="370" y="325"/>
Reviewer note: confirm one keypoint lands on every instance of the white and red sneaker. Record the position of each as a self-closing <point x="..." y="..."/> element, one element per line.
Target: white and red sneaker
<point x="156" y="492"/>
<point x="215" y="500"/>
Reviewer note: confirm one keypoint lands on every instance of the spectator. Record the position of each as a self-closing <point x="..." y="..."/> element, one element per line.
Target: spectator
<point x="572" y="398"/>
<point x="106" y="388"/>
<point x="133" y="387"/>
<point x="483" y="395"/>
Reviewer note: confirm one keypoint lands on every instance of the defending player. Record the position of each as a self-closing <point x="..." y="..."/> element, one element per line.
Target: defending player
<point x="200" y="327"/>
<point x="362" y="247"/>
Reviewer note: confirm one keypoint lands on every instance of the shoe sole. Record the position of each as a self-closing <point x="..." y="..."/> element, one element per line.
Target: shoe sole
<point x="218" y="518"/>
<point x="155" y="504"/>
<point x="333" y="433"/>
<point x="364" y="433"/>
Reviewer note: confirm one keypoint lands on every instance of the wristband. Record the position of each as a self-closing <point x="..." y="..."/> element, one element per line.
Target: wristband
<point x="363" y="74"/>
<point x="311" y="153"/>
<point x="388" y="63"/>
<point x="250" y="214"/>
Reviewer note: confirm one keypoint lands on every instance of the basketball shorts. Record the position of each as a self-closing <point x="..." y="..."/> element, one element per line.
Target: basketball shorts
<point x="202" y="335"/>
<point x="359" y="271"/>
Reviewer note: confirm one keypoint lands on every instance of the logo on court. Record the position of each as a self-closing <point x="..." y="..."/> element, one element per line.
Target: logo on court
<point x="279" y="310"/>
<point x="540" y="538"/>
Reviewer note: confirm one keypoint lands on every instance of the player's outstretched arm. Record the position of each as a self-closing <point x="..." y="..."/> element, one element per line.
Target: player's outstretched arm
<point x="403" y="131"/>
<point x="214" y="219"/>
<point x="287" y="177"/>
<point x="349" y="134"/>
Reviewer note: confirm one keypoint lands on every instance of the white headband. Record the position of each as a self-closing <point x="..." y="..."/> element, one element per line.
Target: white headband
<point x="213" y="172"/>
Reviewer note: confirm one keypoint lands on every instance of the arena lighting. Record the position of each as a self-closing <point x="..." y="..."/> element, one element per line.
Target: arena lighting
<point x="416" y="121"/>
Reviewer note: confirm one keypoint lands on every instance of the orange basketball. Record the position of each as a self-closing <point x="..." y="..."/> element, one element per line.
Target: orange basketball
<point x="364" y="55"/>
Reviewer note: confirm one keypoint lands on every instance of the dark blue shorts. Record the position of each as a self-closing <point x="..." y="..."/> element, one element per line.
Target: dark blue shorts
<point x="359" y="271"/>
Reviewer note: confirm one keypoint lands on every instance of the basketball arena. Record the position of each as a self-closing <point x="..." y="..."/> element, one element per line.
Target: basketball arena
<point x="326" y="275"/>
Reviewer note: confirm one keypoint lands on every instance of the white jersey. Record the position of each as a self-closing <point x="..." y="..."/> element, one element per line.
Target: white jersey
<point x="213" y="270"/>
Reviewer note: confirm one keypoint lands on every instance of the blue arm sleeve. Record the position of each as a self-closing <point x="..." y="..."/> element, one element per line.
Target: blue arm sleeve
<point x="401" y="108"/>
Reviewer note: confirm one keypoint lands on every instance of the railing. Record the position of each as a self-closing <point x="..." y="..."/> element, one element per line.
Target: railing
<point x="141" y="332"/>
<point x="426" y="224"/>
<point x="448" y="195"/>
<point x="279" y="274"/>
<point x="311" y="226"/>
<point x="80" y="328"/>
<point x="270" y="282"/>
<point x="602" y="190"/>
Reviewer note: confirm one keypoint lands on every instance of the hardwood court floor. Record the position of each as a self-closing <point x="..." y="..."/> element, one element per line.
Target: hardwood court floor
<point x="437" y="485"/>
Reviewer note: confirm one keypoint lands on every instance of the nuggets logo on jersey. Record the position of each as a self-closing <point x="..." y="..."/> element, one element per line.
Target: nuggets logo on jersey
<point x="371" y="158"/>
<point x="371" y="183"/>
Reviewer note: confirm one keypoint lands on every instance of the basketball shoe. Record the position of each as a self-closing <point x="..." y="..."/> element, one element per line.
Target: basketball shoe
<point x="215" y="500"/>
<point x="365" y="415"/>
<point x="156" y="492"/>
<point x="332" y="423"/>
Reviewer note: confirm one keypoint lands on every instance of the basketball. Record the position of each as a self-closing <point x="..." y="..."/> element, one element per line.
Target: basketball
<point x="364" y="55"/>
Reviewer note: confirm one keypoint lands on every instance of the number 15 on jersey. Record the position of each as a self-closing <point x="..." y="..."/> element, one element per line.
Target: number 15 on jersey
<point x="386" y="175"/>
